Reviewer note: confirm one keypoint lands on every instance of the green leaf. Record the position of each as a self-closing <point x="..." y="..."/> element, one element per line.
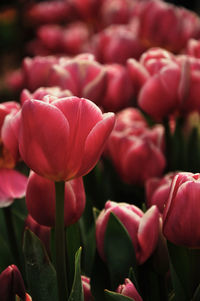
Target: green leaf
<point x="119" y="251"/>
<point x="77" y="288"/>
<point x="5" y="256"/>
<point x="186" y="264"/>
<point x="72" y="245"/>
<point x="41" y="275"/>
<point x="112" y="296"/>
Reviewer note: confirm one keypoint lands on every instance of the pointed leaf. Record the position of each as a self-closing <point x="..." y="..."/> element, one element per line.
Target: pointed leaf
<point x="41" y="275"/>
<point x="112" y="296"/>
<point x="119" y="251"/>
<point x="77" y="288"/>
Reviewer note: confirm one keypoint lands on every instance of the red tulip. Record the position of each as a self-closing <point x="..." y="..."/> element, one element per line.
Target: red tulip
<point x="181" y="215"/>
<point x="128" y="289"/>
<point x="12" y="285"/>
<point x="143" y="228"/>
<point x="64" y="139"/>
<point x="41" y="203"/>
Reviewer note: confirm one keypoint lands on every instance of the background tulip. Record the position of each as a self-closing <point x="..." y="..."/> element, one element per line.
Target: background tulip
<point x="40" y="200"/>
<point x="181" y="214"/>
<point x="143" y="228"/>
<point x="128" y="289"/>
<point x="86" y="288"/>
<point x="11" y="284"/>
<point x="64" y="139"/>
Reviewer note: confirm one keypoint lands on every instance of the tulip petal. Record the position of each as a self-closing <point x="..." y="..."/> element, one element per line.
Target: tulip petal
<point x="43" y="139"/>
<point x="95" y="142"/>
<point x="82" y="116"/>
<point x="12" y="185"/>
<point x="148" y="232"/>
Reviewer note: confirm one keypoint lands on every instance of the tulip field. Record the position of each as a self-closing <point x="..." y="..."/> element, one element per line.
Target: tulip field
<point x="99" y="151"/>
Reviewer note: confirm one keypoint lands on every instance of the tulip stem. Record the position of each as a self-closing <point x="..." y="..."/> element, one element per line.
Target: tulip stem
<point x="60" y="242"/>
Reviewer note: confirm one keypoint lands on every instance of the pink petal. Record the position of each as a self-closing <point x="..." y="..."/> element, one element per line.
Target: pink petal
<point x="12" y="186"/>
<point x="43" y="139"/>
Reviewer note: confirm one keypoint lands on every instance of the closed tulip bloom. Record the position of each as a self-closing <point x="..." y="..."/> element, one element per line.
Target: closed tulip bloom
<point x="143" y="228"/>
<point x="12" y="285"/>
<point x="181" y="215"/>
<point x="128" y="289"/>
<point x="157" y="190"/>
<point x="41" y="203"/>
<point x="64" y="139"/>
<point x="119" y="88"/>
<point x="41" y="92"/>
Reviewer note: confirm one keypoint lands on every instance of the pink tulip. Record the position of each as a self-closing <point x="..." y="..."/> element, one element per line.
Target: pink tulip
<point x="128" y="289"/>
<point x="40" y="200"/>
<point x="158" y="189"/>
<point x="159" y="95"/>
<point x="143" y="228"/>
<point x="134" y="148"/>
<point x="86" y="288"/>
<point x="49" y="12"/>
<point x="181" y="215"/>
<point x="119" y="88"/>
<point x="193" y="48"/>
<point x="36" y="71"/>
<point x="12" y="285"/>
<point x="41" y="92"/>
<point x="82" y="76"/>
<point x="117" y="43"/>
<point x="64" y="139"/>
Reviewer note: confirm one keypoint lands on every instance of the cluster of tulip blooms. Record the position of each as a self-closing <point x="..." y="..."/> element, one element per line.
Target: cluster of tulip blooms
<point x="100" y="155"/>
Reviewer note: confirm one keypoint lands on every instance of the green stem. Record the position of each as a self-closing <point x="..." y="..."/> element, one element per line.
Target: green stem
<point x="12" y="236"/>
<point x="60" y="242"/>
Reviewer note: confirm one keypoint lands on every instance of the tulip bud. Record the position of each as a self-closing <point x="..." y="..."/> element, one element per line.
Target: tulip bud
<point x="181" y="215"/>
<point x="128" y="289"/>
<point x="40" y="200"/>
<point x="143" y="228"/>
<point x="86" y="288"/>
<point x="11" y="284"/>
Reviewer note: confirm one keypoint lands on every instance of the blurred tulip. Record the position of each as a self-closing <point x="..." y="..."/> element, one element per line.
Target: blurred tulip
<point x="181" y="215"/>
<point x="119" y="88"/>
<point x="41" y="92"/>
<point x="48" y="12"/>
<point x="41" y="203"/>
<point x="143" y="228"/>
<point x="36" y="71"/>
<point x="137" y="73"/>
<point x="117" y="43"/>
<point x="185" y="25"/>
<point x="193" y="48"/>
<point x="82" y="76"/>
<point x="134" y="148"/>
<point x="86" y="288"/>
<point x="158" y="189"/>
<point x="128" y="289"/>
<point x="12" y="285"/>
<point x="78" y="130"/>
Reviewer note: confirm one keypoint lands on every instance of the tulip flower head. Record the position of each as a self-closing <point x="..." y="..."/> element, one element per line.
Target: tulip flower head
<point x="63" y="139"/>
<point x="143" y="228"/>
<point x="128" y="289"/>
